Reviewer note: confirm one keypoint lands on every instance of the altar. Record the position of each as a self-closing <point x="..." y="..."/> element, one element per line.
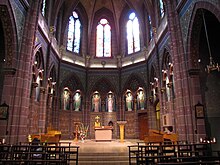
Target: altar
<point x="103" y="133"/>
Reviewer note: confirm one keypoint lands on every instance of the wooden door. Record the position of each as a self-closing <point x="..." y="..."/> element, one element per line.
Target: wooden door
<point x="143" y="125"/>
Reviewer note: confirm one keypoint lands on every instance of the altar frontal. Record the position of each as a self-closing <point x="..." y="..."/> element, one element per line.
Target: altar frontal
<point x="102" y="133"/>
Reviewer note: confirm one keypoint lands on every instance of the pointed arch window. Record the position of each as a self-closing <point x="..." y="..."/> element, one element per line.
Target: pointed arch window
<point x="74" y="33"/>
<point x="161" y="5"/>
<point x="133" y="34"/>
<point x="103" y="39"/>
<point x="43" y="7"/>
<point x="150" y="28"/>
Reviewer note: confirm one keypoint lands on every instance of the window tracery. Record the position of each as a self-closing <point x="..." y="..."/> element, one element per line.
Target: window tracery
<point x="103" y="39"/>
<point x="74" y="33"/>
<point x="150" y="28"/>
<point x="43" y="8"/>
<point x="133" y="34"/>
<point x="161" y="6"/>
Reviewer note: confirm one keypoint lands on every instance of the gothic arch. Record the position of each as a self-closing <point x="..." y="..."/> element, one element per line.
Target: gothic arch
<point x="72" y="82"/>
<point x="133" y="83"/>
<point x="122" y="24"/>
<point x="82" y="17"/>
<point x="193" y="33"/>
<point x="197" y="49"/>
<point x="10" y="41"/>
<point x="166" y="59"/>
<point x="107" y="14"/>
<point x="103" y="86"/>
<point x="149" y="6"/>
<point x="38" y="67"/>
<point x="52" y="80"/>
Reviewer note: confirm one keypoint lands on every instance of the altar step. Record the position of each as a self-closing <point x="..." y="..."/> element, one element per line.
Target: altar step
<point x="103" y="158"/>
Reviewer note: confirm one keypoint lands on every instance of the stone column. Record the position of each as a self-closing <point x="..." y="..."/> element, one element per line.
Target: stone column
<point x="183" y="124"/>
<point x="42" y="111"/>
<point x="31" y="109"/>
<point x="22" y="84"/>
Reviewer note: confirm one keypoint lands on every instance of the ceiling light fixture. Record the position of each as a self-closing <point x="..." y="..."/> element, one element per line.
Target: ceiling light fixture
<point x="212" y="65"/>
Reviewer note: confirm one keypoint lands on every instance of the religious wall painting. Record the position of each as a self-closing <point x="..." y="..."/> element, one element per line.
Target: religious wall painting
<point x="77" y="100"/>
<point x="128" y="100"/>
<point x="96" y="102"/>
<point x="140" y="99"/>
<point x="110" y="102"/>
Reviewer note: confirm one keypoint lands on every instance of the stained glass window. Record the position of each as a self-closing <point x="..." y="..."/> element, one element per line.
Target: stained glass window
<point x="43" y="7"/>
<point x="133" y="34"/>
<point x="103" y="39"/>
<point x="150" y="27"/>
<point x="161" y="8"/>
<point x="74" y="33"/>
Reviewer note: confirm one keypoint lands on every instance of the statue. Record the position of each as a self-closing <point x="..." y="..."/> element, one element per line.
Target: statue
<point x="96" y="102"/>
<point x="140" y="99"/>
<point x="110" y="102"/>
<point x="66" y="97"/>
<point x="129" y="100"/>
<point x="77" y="101"/>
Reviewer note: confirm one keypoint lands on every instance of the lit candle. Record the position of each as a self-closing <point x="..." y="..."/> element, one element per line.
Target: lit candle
<point x="214" y="140"/>
<point x="200" y="140"/>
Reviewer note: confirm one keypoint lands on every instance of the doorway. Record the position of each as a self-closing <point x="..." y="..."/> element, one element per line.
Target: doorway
<point x="143" y="125"/>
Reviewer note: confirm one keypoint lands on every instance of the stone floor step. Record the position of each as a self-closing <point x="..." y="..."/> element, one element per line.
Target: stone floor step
<point x="104" y="154"/>
<point x="103" y="162"/>
<point x="103" y="158"/>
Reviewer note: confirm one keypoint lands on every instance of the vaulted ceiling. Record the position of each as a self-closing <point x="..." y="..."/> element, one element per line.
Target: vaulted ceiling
<point x="92" y="6"/>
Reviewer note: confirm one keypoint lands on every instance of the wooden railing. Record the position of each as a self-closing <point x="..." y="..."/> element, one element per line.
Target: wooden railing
<point x="38" y="154"/>
<point x="180" y="153"/>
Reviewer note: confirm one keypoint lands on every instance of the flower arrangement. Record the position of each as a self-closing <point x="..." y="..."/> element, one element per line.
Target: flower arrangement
<point x="83" y="130"/>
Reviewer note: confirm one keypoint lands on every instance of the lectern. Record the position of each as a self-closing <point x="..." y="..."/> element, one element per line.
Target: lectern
<point x="122" y="128"/>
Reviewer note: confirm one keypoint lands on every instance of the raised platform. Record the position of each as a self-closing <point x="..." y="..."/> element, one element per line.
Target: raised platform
<point x="103" y="152"/>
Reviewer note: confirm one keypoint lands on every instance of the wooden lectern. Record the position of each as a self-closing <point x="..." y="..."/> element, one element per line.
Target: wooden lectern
<point x="122" y="128"/>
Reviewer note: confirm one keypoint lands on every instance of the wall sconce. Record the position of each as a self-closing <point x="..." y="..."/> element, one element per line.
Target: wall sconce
<point x="212" y="65"/>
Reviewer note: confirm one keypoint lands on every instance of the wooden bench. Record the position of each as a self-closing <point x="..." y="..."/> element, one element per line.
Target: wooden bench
<point x="38" y="153"/>
<point x="179" y="153"/>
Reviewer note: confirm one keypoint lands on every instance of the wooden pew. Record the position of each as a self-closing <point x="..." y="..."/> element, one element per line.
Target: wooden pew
<point x="160" y="137"/>
<point x="43" y="154"/>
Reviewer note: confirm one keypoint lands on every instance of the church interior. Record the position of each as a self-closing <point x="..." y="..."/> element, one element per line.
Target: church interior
<point x="125" y="67"/>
